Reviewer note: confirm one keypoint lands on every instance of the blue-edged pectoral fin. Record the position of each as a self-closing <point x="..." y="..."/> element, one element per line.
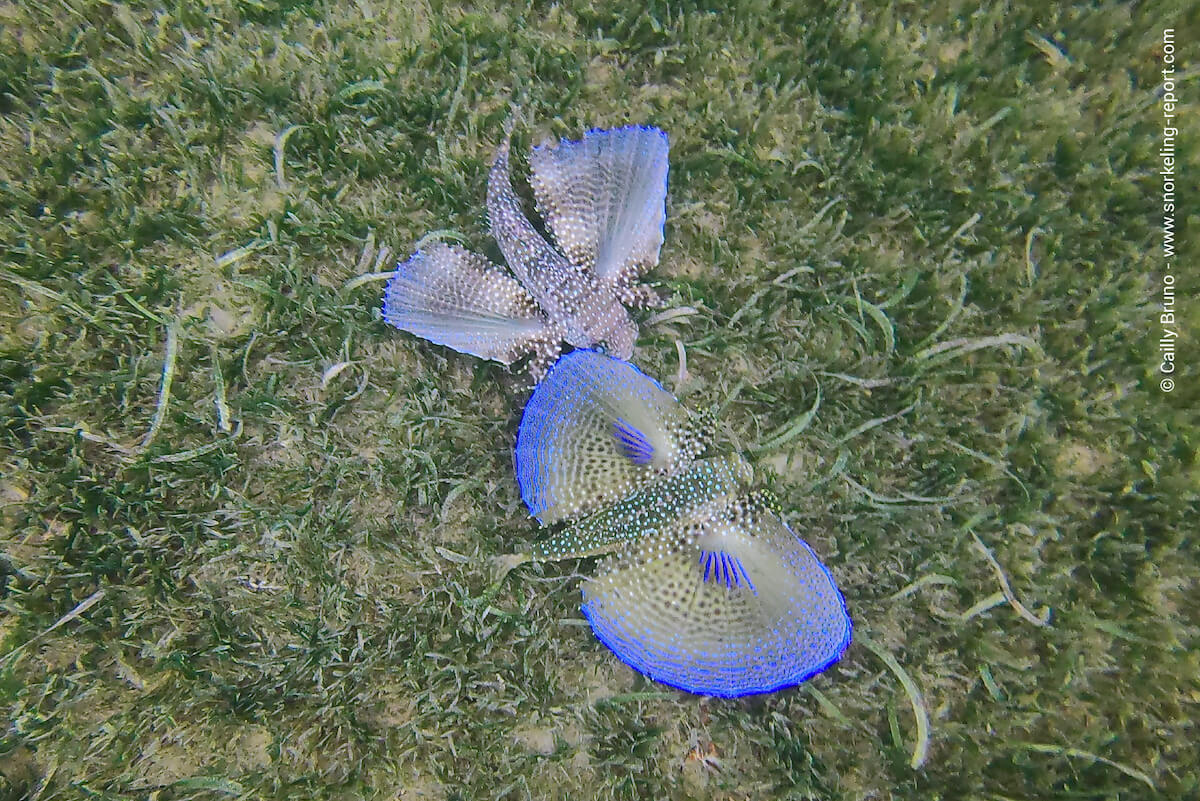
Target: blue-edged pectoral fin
<point x="726" y="601"/>
<point x="604" y="198"/>
<point x="459" y="299"/>
<point x="593" y="431"/>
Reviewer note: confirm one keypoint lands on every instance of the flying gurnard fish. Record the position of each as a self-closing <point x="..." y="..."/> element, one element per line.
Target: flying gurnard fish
<point x="604" y="200"/>
<point x="702" y="585"/>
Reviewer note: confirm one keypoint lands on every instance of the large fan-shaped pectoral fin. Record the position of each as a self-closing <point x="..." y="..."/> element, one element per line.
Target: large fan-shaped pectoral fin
<point x="726" y="602"/>
<point x="604" y="199"/>
<point x="595" y="430"/>
<point x="457" y="298"/>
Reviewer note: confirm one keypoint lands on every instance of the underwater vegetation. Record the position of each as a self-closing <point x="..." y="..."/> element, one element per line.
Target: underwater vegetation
<point x="912" y="254"/>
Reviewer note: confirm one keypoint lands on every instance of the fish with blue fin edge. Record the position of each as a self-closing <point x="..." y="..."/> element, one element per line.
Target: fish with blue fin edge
<point x="701" y="584"/>
<point x="603" y="199"/>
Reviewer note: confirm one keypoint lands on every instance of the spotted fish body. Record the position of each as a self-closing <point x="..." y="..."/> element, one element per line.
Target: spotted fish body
<point x="701" y="585"/>
<point x="571" y="294"/>
<point x="603" y="199"/>
<point x="650" y="509"/>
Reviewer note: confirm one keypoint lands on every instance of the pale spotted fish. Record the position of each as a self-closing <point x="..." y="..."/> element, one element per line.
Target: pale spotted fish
<point x="604" y="201"/>
<point x="701" y="584"/>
